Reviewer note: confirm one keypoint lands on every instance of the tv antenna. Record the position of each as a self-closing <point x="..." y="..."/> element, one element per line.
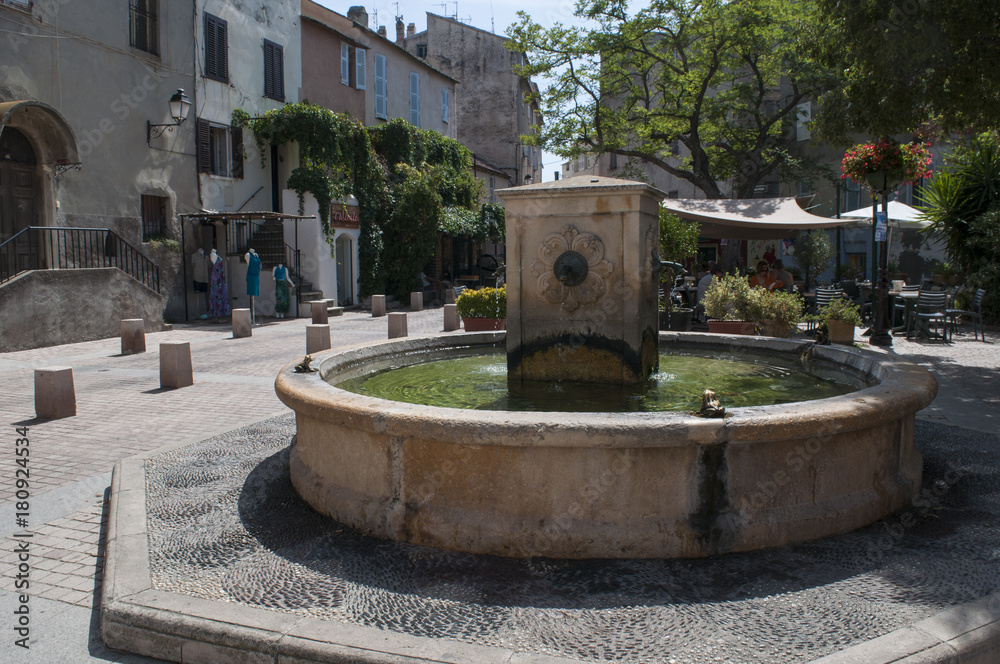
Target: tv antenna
<point x="399" y="17"/>
<point x="493" y="27"/>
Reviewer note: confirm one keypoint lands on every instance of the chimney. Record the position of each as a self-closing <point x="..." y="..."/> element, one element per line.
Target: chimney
<point x="381" y="31"/>
<point x="399" y="30"/>
<point x="358" y="15"/>
<point x="411" y="29"/>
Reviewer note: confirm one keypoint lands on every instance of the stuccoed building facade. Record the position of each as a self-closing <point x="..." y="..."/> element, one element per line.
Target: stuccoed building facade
<point x="88" y="141"/>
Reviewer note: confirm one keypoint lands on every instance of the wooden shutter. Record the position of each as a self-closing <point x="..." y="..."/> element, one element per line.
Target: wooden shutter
<point x="216" y="49"/>
<point x="414" y="99"/>
<point x="237" y="141"/>
<point x="444" y="105"/>
<point x="204" y="146"/>
<point x="274" y="76"/>
<point x="380" y="87"/>
<point x="279" y="73"/>
<point x="361" y="68"/>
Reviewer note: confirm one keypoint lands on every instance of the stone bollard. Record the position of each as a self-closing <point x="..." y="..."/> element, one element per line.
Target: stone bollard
<point x="451" y="320"/>
<point x="175" y="364"/>
<point x="242" y="324"/>
<point x="317" y="338"/>
<point x="320" y="312"/>
<point x="416" y="301"/>
<point x="397" y="325"/>
<point x="449" y="296"/>
<point x="133" y="331"/>
<point x="55" y="396"/>
<point x="378" y="306"/>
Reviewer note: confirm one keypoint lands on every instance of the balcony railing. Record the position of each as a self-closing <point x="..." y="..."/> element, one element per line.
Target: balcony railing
<point x="54" y="248"/>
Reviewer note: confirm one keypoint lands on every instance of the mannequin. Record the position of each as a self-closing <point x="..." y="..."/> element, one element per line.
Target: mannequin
<point x="199" y="269"/>
<point x="218" y="295"/>
<point x="282" y="282"/>
<point x="253" y="281"/>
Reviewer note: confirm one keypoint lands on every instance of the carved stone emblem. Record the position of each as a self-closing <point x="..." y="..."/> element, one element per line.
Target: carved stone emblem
<point x="571" y="268"/>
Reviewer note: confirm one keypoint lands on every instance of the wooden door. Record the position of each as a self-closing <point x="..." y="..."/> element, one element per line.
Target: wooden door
<point x="20" y="192"/>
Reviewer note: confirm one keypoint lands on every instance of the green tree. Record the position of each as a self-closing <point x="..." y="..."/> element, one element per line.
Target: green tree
<point x="905" y="64"/>
<point x="723" y="79"/>
<point x="813" y="253"/>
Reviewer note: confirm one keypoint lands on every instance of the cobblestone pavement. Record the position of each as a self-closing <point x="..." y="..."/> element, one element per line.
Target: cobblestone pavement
<point x="122" y="411"/>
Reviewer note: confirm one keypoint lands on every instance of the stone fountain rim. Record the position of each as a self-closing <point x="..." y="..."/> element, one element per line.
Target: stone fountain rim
<point x="900" y="386"/>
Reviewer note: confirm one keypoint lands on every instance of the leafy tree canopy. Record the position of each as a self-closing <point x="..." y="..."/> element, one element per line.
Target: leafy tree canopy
<point x="909" y="65"/>
<point x="722" y="78"/>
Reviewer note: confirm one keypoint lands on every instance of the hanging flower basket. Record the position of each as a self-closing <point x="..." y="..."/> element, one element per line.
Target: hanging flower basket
<point x="886" y="163"/>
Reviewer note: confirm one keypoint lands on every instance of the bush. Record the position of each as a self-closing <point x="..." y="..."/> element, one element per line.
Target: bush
<point x="482" y="303"/>
<point x="729" y="298"/>
<point x="840" y="309"/>
<point x="781" y="306"/>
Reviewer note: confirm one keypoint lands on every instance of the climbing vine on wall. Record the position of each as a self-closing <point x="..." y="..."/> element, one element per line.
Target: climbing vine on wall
<point x="403" y="177"/>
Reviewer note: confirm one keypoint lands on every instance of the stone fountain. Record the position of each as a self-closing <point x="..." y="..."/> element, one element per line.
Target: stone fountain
<point x="582" y="306"/>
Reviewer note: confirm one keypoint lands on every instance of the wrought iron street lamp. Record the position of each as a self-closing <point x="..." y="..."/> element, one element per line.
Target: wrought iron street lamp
<point x="179" y="107"/>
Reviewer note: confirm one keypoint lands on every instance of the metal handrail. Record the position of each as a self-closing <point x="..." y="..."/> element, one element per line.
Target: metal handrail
<point x="67" y="248"/>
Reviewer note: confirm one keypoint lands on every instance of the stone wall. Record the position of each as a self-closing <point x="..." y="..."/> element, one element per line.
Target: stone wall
<point x="50" y="307"/>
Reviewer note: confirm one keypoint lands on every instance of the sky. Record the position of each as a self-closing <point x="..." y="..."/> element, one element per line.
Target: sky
<point x="492" y="15"/>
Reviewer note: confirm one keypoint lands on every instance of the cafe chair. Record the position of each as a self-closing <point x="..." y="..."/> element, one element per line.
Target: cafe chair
<point x="930" y="310"/>
<point x="899" y="307"/>
<point x="974" y="313"/>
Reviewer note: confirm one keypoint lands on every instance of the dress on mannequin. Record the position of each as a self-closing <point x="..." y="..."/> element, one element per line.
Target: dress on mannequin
<point x="218" y="297"/>
<point x="199" y="271"/>
<point x="281" y="285"/>
<point x="253" y="273"/>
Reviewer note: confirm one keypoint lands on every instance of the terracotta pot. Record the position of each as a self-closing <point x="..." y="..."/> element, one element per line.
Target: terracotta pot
<point x="841" y="331"/>
<point x="731" y="327"/>
<point x="774" y="328"/>
<point x="484" y="324"/>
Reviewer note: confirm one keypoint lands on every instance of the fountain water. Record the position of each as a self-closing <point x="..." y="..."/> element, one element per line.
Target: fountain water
<point x="582" y="307"/>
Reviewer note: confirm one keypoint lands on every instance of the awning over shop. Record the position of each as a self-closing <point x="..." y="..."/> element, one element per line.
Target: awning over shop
<point x="46" y="126"/>
<point x="750" y="218"/>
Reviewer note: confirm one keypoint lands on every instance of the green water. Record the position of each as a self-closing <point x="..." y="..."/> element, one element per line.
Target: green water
<point x="480" y="382"/>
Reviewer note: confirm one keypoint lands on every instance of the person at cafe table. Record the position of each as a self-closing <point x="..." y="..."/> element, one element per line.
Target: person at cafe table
<point x="765" y="278"/>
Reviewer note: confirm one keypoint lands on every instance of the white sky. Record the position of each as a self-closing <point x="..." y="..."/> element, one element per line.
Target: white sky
<point x="493" y="15"/>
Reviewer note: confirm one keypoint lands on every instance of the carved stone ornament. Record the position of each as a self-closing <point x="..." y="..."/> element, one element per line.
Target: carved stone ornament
<point x="571" y="268"/>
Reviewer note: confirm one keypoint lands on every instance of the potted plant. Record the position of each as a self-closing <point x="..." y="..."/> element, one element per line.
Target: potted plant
<point x="813" y="253"/>
<point x="484" y="309"/>
<point x="729" y="307"/>
<point x="944" y="273"/>
<point x="775" y="312"/>
<point x="885" y="164"/>
<point x="841" y="316"/>
<point x="678" y="244"/>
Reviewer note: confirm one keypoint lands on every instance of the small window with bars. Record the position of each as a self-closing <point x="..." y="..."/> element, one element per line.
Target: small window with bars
<point x="154" y="216"/>
<point x="142" y="26"/>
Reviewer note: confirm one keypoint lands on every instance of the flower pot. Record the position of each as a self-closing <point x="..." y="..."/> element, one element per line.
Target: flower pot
<point x="880" y="180"/>
<point x="774" y="328"/>
<point x="744" y="327"/>
<point x="484" y="324"/>
<point x="677" y="320"/>
<point x="841" y="331"/>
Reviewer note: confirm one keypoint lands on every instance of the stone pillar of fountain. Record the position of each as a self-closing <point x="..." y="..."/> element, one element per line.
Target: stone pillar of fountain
<point x="581" y="292"/>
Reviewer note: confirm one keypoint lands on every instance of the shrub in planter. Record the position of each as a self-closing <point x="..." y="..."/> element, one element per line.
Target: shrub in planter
<point x="728" y="299"/>
<point x="483" y="309"/>
<point x="775" y="312"/>
<point x="840" y="317"/>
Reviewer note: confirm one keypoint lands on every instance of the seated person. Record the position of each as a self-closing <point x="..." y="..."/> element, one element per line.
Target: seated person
<point x="784" y="276"/>
<point x="705" y="282"/>
<point x="764" y="278"/>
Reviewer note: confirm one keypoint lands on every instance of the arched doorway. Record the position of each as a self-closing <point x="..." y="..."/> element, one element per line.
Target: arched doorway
<point x="20" y="188"/>
<point x="345" y="269"/>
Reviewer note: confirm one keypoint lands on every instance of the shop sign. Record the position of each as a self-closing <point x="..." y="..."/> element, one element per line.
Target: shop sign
<point x="344" y="216"/>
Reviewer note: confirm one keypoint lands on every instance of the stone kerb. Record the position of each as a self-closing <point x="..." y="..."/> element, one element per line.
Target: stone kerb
<point x="242" y="324"/>
<point x="175" y="364"/>
<point x="133" y="333"/>
<point x="449" y="296"/>
<point x="378" y="306"/>
<point x="397" y="325"/>
<point x="317" y="338"/>
<point x="416" y="301"/>
<point x="321" y="312"/>
<point x="55" y="394"/>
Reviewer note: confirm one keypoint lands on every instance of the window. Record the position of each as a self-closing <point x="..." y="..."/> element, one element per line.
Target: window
<point x="220" y="149"/>
<point x="274" y="71"/>
<point x="23" y="4"/>
<point x="154" y="216"/>
<point x="361" y="69"/>
<point x="673" y="194"/>
<point x="414" y="99"/>
<point x="493" y="189"/>
<point x="380" y="87"/>
<point x="852" y="195"/>
<point x="216" y="49"/>
<point x="345" y="64"/>
<point x="143" y="33"/>
<point x="444" y="106"/>
<point x="675" y="147"/>
<point x="613" y="159"/>
<point x="805" y="187"/>
<point x="421" y="50"/>
<point x="803" y="114"/>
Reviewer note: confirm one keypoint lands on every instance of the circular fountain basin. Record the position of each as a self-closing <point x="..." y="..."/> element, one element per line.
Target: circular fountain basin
<point x="606" y="485"/>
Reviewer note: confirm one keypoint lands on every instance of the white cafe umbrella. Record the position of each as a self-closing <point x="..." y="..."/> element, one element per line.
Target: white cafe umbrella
<point x="906" y="216"/>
